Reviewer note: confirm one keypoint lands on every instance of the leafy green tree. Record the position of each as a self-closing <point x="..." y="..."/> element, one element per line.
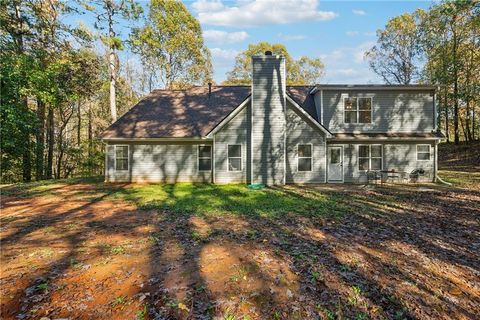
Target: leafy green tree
<point x="171" y="45"/>
<point x="304" y="71"/>
<point x="106" y="13"/>
<point x="310" y="71"/>
<point x="397" y="56"/>
<point x="17" y="120"/>
<point x="450" y="40"/>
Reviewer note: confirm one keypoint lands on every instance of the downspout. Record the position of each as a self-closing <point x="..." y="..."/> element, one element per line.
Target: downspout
<point x="436" y="177"/>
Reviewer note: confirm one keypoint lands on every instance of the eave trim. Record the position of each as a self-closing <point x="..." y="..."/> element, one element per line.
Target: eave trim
<point x="309" y="117"/>
<point x="229" y="117"/>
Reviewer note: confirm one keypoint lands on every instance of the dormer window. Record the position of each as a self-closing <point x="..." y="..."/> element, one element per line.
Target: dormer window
<point x="357" y="110"/>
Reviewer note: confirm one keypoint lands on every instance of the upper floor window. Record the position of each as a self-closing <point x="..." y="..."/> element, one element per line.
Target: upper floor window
<point x="304" y="157"/>
<point x="234" y="157"/>
<point x="423" y="152"/>
<point x="357" y="110"/>
<point x="121" y="158"/>
<point x="204" y="158"/>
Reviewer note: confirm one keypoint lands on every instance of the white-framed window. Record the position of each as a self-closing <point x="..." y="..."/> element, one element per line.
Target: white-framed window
<point x="357" y="110"/>
<point x="204" y="158"/>
<point x="234" y="154"/>
<point x="121" y="158"/>
<point x="423" y="152"/>
<point x="304" y="157"/>
<point x="370" y="157"/>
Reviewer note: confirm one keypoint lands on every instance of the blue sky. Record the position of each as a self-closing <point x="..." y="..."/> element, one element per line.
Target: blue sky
<point x="339" y="32"/>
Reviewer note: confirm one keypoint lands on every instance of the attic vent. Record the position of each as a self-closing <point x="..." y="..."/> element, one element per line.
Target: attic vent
<point x="268" y="53"/>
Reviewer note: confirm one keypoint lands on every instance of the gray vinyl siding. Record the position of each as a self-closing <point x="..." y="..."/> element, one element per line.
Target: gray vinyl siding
<point x="268" y="120"/>
<point x="234" y="132"/>
<point x="158" y="162"/>
<point x="400" y="156"/>
<point x="301" y="131"/>
<point x="393" y="111"/>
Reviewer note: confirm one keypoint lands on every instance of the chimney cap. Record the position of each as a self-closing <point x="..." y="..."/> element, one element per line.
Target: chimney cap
<point x="268" y="53"/>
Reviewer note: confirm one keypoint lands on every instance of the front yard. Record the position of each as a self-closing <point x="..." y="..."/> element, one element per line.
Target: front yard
<point x="82" y="249"/>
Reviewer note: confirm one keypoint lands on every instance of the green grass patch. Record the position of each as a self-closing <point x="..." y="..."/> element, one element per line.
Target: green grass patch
<point x="461" y="179"/>
<point x="43" y="187"/>
<point x="211" y="200"/>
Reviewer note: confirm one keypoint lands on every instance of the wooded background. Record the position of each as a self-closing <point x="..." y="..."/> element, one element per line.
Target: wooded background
<point x="62" y="85"/>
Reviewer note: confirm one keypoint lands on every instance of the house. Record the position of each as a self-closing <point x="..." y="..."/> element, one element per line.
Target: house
<point x="271" y="133"/>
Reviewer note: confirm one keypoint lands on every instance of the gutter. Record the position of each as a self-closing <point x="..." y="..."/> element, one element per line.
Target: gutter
<point x="192" y="139"/>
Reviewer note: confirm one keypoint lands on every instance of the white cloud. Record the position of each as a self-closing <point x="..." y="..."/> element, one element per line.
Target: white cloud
<point x="223" y="61"/>
<point x="207" y="5"/>
<point x="347" y="65"/>
<point x="351" y="33"/>
<point x="259" y="12"/>
<point x="223" y="55"/>
<point x="291" y="37"/>
<point x="359" y="12"/>
<point x="370" y="34"/>
<point x="218" y="36"/>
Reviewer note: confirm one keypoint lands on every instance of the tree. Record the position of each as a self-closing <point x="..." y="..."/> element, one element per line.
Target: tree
<point x="106" y="14"/>
<point x="310" y="71"/>
<point x="171" y="46"/>
<point x="450" y="41"/>
<point x="304" y="71"/>
<point x="397" y="55"/>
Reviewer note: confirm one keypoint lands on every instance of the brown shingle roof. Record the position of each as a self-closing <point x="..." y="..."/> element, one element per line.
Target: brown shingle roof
<point x="178" y="113"/>
<point x="189" y="113"/>
<point x="302" y="96"/>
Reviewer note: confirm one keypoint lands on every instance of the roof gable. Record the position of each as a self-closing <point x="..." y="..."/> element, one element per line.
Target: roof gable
<point x="192" y="113"/>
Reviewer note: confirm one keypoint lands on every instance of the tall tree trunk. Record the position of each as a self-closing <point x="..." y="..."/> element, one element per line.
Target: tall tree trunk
<point x="50" y="142"/>
<point x="58" y="173"/>
<point x="455" y="84"/>
<point x="40" y="142"/>
<point x="445" y="96"/>
<point x="90" y="139"/>
<point x="79" y="123"/>
<point x="462" y="123"/>
<point x="27" y="160"/>
<point x="111" y="63"/>
<point x="473" y="123"/>
<point x="467" y="121"/>
<point x="26" y="155"/>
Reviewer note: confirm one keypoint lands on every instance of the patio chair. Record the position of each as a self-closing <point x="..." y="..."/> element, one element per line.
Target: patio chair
<point x="374" y="176"/>
<point x="416" y="174"/>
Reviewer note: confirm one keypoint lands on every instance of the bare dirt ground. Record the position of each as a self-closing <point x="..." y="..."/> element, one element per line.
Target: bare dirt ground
<point x="80" y="251"/>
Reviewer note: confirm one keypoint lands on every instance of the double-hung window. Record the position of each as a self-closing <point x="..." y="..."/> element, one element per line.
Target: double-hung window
<point x="121" y="158"/>
<point x="204" y="158"/>
<point x="370" y="157"/>
<point x="423" y="152"/>
<point x="304" y="157"/>
<point x="234" y="157"/>
<point x="357" y="110"/>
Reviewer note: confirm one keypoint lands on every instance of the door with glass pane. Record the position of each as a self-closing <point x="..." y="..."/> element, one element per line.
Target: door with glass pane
<point x="335" y="164"/>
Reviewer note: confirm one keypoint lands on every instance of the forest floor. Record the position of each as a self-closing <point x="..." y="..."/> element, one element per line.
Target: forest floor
<point x="83" y="249"/>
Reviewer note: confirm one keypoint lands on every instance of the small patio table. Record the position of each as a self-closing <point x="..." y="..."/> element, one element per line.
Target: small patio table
<point x="391" y="174"/>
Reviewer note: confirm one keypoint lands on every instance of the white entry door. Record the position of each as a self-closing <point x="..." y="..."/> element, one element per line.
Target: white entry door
<point x="335" y="164"/>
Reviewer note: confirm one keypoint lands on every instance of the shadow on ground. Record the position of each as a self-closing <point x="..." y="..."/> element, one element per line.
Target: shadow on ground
<point x="84" y="249"/>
